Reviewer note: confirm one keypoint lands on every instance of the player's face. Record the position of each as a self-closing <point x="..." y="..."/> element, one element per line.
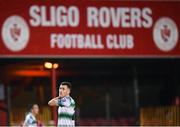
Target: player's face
<point x="63" y="91"/>
<point x="35" y="109"/>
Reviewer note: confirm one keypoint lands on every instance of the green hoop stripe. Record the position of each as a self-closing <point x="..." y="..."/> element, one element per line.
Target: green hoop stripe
<point x="65" y="115"/>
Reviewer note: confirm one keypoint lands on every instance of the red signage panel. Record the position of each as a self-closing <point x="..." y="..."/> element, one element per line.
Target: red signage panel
<point x="86" y="28"/>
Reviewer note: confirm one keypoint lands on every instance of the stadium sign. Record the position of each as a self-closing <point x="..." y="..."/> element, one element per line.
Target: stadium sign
<point x="89" y="28"/>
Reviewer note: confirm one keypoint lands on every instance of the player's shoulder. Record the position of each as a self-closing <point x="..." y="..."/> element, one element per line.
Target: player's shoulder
<point x="29" y="115"/>
<point x="67" y="99"/>
<point x="72" y="102"/>
<point x="64" y="99"/>
<point x="70" y="99"/>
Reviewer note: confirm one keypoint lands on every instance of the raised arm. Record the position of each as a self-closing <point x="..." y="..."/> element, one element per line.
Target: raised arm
<point x="53" y="102"/>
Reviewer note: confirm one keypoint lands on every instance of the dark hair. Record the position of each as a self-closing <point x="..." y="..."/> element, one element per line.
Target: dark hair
<point x="30" y="106"/>
<point x="68" y="84"/>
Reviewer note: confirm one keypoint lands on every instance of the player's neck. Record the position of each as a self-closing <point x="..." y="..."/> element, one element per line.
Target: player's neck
<point x="65" y="96"/>
<point x="34" y="114"/>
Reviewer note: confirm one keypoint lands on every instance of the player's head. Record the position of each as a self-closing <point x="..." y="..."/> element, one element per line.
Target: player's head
<point x="64" y="89"/>
<point x="34" y="108"/>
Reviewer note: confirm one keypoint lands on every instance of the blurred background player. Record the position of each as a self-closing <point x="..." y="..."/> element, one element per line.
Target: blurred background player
<point x="30" y="120"/>
<point x="66" y="105"/>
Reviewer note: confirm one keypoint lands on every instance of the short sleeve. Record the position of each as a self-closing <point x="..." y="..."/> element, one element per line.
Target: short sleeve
<point x="64" y="102"/>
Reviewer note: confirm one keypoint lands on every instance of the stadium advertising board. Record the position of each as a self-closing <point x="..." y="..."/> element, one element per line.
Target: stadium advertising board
<point x="89" y="28"/>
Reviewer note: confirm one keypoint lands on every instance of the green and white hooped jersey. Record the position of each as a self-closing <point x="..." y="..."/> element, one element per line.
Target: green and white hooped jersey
<point x="66" y="111"/>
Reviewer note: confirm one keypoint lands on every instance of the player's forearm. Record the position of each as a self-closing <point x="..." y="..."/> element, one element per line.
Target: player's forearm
<point x="53" y="102"/>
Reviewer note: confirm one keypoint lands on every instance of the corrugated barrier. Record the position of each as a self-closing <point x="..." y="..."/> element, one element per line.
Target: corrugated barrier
<point x="160" y="116"/>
